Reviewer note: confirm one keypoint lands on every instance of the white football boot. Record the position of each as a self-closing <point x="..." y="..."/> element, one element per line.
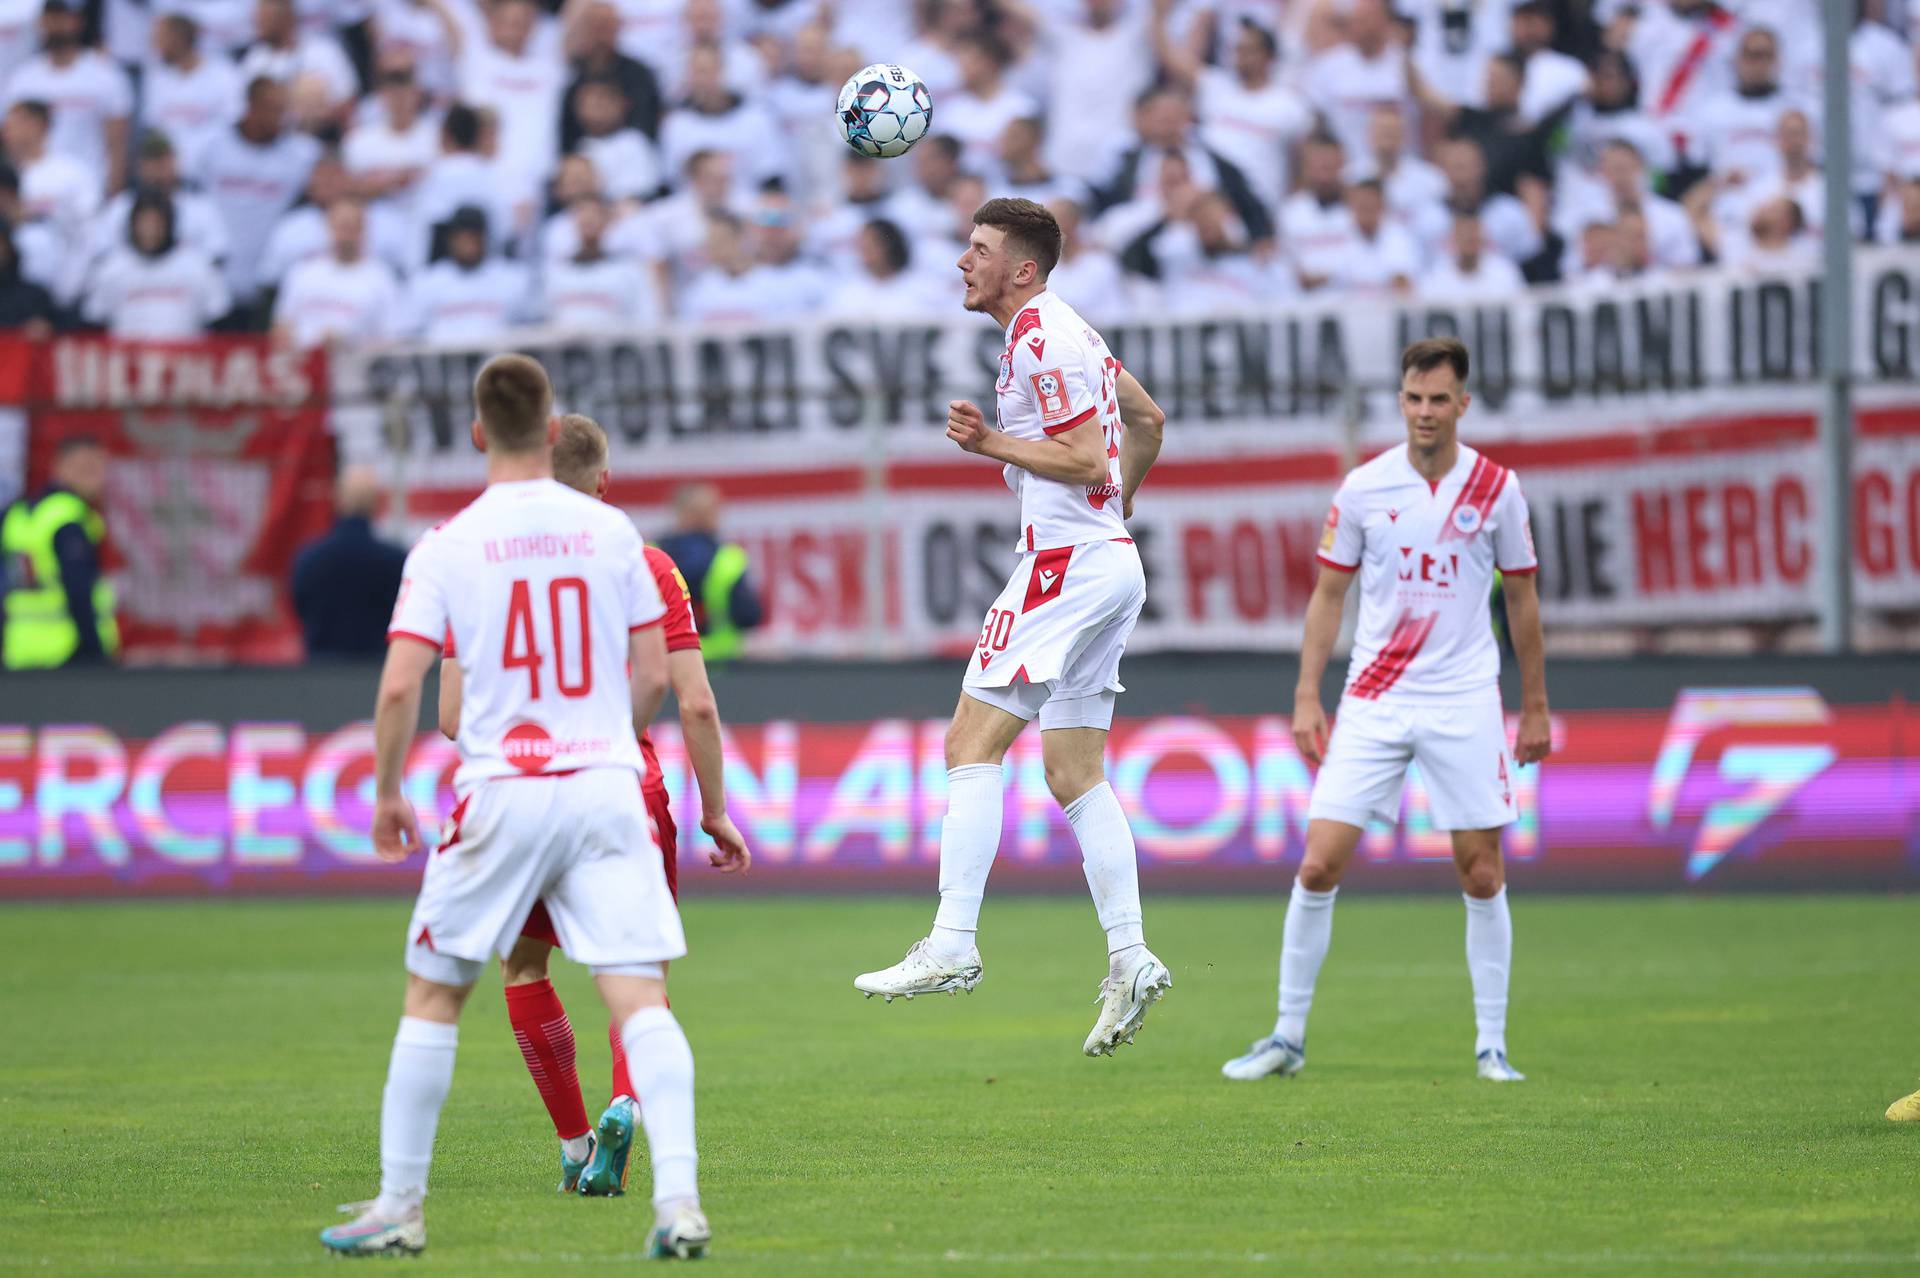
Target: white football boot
<point x="1495" y="1069"/>
<point x="1272" y="1055"/>
<point x="681" y="1234"/>
<point x="923" y="972"/>
<point x="374" y="1232"/>
<point x="1124" y="1000"/>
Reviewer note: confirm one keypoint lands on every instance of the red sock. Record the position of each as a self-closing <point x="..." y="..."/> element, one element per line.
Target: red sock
<point x="622" y="1085"/>
<point x="541" y="1028"/>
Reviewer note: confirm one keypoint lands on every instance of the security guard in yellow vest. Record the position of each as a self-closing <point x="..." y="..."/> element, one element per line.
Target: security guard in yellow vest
<point x="57" y="607"/>
<point x="725" y="604"/>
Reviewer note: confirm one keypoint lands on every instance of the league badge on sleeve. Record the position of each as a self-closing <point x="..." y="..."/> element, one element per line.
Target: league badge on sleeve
<point x="1332" y="527"/>
<point x="1051" y="390"/>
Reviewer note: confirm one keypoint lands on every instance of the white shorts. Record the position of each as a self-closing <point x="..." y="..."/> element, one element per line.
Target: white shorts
<point x="580" y="842"/>
<point x="1461" y="749"/>
<point x="1052" y="642"/>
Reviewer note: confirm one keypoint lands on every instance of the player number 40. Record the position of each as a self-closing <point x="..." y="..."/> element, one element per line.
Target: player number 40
<point x="521" y="651"/>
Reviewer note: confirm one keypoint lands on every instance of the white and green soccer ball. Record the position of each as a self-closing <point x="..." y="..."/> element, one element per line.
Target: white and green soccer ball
<point x="884" y="109"/>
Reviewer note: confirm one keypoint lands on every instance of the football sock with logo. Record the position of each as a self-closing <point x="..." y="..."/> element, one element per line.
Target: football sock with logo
<point x="661" y="1063"/>
<point x="419" y="1076"/>
<point x="1307" y="934"/>
<point x="1107" y="856"/>
<point x="969" y="840"/>
<point x="1489" y="961"/>
<point x="545" y="1036"/>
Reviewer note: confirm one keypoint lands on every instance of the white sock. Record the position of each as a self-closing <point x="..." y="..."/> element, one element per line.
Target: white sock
<point x="969" y="840"/>
<point x="575" y="1148"/>
<point x="1303" y="947"/>
<point x="1489" y="961"/>
<point x="1106" y="853"/>
<point x="419" y="1076"/>
<point x="660" y="1063"/>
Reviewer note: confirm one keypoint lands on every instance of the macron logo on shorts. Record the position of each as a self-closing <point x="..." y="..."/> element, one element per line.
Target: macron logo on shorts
<point x="1049" y="577"/>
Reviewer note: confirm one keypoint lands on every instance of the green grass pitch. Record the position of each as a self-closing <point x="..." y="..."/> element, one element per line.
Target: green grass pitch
<point x="191" y="1088"/>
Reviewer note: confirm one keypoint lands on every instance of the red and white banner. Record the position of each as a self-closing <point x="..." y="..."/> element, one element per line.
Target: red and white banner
<point x="222" y="467"/>
<point x="1664" y="435"/>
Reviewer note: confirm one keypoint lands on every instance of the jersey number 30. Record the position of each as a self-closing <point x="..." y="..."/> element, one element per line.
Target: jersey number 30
<point x="521" y="652"/>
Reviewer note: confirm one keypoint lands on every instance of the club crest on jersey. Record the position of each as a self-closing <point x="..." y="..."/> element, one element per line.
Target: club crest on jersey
<point x="1050" y="388"/>
<point x="1466" y="520"/>
<point x="1006" y="371"/>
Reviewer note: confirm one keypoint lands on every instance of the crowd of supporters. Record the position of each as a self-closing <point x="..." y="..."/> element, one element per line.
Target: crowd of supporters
<point x="364" y="170"/>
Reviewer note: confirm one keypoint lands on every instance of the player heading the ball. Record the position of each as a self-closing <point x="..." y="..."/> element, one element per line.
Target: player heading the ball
<point x="549" y="598"/>
<point x="1425" y="526"/>
<point x="1076" y="436"/>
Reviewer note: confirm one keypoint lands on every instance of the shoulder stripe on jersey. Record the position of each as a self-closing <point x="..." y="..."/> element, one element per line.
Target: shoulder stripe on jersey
<point x="1409" y="634"/>
<point x="1483" y="485"/>
<point x="1025" y="322"/>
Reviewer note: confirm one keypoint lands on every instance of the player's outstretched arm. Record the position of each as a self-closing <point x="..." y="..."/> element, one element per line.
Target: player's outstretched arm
<point x="1077" y="456"/>
<point x="396" y="713"/>
<point x="647" y="664"/>
<point x="1316" y="646"/>
<point x="1534" y="741"/>
<point x="700" y="730"/>
<point x="1140" y="446"/>
<point x="450" y="686"/>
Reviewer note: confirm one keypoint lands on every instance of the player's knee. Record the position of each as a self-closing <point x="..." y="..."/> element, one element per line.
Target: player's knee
<point x="967" y="746"/>
<point x="1483" y="877"/>
<point x="525" y="965"/>
<point x="431" y="1001"/>
<point x="1319" y="873"/>
<point x="1069" y="779"/>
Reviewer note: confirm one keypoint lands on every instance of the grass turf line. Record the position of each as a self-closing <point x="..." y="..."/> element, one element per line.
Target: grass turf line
<point x="192" y="1087"/>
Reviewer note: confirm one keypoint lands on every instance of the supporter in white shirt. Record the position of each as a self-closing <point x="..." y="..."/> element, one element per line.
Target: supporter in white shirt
<point x="46" y="257"/>
<point x="469" y="295"/>
<point x="885" y="284"/>
<point x="1796" y="178"/>
<point x="803" y="100"/>
<point x="303" y="234"/>
<point x="1509" y="225"/>
<point x="225" y="25"/>
<point x="1883" y="80"/>
<point x="154" y="287"/>
<point x="197" y="222"/>
<point x="594" y="290"/>
<point x="283" y="52"/>
<point x="1088" y="274"/>
<point x="184" y="94"/>
<point x="464" y="174"/>
<point x="1737" y="127"/>
<point x="938" y="28"/>
<point x="1128" y="200"/>
<point x="923" y="200"/>
<point x="1366" y="71"/>
<point x="1623" y="186"/>
<point x="53" y="187"/>
<point x="834" y="236"/>
<point x="1774" y="241"/>
<point x="1203" y="258"/>
<point x="876" y="28"/>
<point x="652" y="31"/>
<point x="706" y="191"/>
<point x="741" y="65"/>
<point x="1315" y="223"/>
<point x="1452" y="40"/>
<point x="419" y="28"/>
<point x="1022" y="171"/>
<point x="1553" y="80"/>
<point x="1381" y="257"/>
<point x="985" y="104"/>
<point x="1612" y="109"/>
<point x="1248" y="116"/>
<point x="344" y="295"/>
<point x="723" y="292"/>
<point x="715" y="118"/>
<point x="253" y="173"/>
<point x="1898" y="152"/>
<point x="1683" y="50"/>
<point x="1412" y="186"/>
<point x="389" y="154"/>
<point x="788" y="284"/>
<point x="518" y="73"/>
<point x="625" y="158"/>
<point x="1111" y="40"/>
<point x="89" y="95"/>
<point x="1898" y="221"/>
<point x="1473" y="270"/>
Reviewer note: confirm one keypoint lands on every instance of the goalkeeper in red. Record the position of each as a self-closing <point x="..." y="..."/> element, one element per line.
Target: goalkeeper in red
<point x="1076" y="435"/>
<point x="1424" y="526"/>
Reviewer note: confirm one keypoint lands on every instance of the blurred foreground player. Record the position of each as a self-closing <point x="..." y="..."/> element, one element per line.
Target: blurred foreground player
<point x="1077" y="435"/>
<point x="1425" y="526"/>
<point x="556" y="614"/>
<point x="593" y="1160"/>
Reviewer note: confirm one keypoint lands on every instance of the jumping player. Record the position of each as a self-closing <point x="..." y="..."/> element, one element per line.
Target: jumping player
<point x="549" y="596"/>
<point x="593" y="1161"/>
<point x="1425" y="526"/>
<point x="1077" y="435"/>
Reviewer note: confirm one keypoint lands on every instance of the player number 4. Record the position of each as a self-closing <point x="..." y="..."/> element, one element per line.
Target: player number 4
<point x="521" y="651"/>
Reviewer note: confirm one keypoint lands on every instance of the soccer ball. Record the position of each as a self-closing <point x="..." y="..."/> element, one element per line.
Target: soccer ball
<point x="884" y="109"/>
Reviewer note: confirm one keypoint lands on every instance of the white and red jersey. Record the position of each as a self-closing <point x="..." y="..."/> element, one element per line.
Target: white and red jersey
<point x="1426" y="554"/>
<point x="1055" y="374"/>
<point x="540" y="587"/>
